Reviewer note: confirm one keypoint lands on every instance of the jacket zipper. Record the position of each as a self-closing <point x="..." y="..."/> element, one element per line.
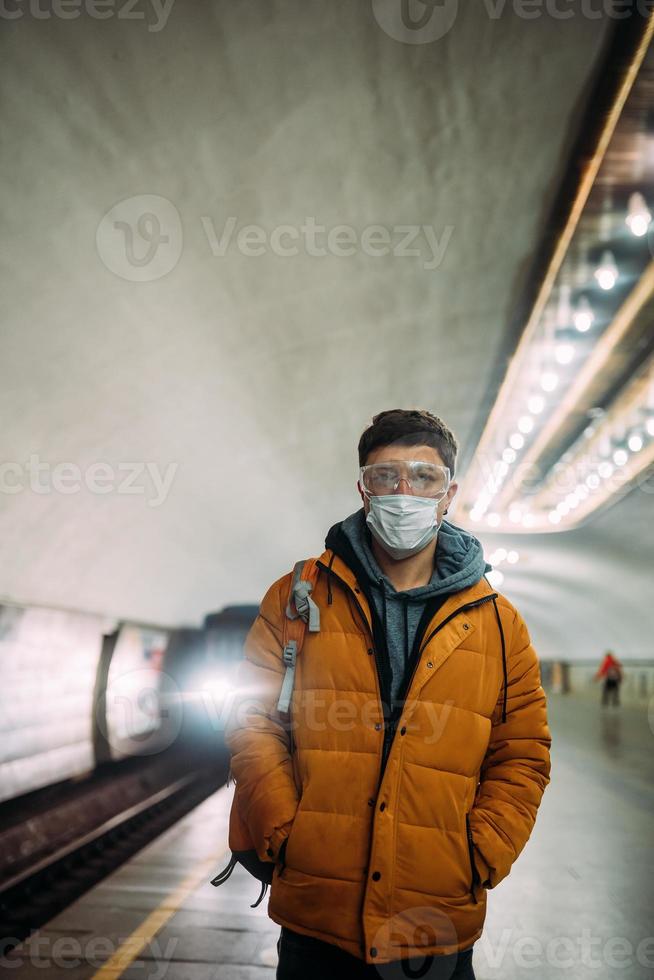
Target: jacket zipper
<point x="468" y="605"/>
<point x="455" y="612"/>
<point x="378" y="663"/>
<point x="475" y="879"/>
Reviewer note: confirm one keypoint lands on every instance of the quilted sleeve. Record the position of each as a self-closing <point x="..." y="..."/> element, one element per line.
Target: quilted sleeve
<point x="257" y="739"/>
<point x="516" y="768"/>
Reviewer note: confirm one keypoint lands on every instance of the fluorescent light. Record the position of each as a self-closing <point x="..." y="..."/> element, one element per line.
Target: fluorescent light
<point x="536" y="404"/>
<point x="512" y="557"/>
<point x="564" y="353"/>
<point x="509" y="455"/>
<point x="525" y="423"/>
<point x="517" y="441"/>
<point x="620" y="457"/>
<point x="583" y="317"/>
<point x="606" y="272"/>
<point x="493" y="519"/>
<point x="635" y="442"/>
<point x="638" y="218"/>
<point x="549" y="380"/>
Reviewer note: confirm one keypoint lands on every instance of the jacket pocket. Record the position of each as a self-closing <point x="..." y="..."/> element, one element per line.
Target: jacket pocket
<point x="475" y="878"/>
<point x="281" y="857"/>
<point x="281" y="854"/>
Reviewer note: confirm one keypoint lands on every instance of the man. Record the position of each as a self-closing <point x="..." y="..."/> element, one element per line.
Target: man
<point x="611" y="670"/>
<point x="419" y="746"/>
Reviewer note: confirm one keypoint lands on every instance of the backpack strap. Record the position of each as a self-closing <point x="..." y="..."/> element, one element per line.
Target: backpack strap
<point x="301" y="611"/>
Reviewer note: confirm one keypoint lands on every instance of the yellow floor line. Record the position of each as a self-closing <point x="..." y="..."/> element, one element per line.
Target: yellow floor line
<point x="143" y="934"/>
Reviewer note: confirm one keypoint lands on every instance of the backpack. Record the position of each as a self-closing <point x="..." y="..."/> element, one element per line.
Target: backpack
<point x="301" y="611"/>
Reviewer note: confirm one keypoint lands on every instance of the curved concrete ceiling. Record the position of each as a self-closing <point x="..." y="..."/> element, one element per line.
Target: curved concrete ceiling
<point x="252" y="375"/>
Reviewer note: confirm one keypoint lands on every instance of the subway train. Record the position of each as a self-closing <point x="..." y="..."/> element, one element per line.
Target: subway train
<point x="106" y="691"/>
<point x="110" y="733"/>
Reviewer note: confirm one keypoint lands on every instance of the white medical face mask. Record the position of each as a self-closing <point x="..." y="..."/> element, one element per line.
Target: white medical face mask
<point x="403" y="523"/>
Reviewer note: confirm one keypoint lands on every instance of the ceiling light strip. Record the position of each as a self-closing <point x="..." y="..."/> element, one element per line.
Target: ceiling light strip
<point x="563" y="243"/>
<point x="605" y="346"/>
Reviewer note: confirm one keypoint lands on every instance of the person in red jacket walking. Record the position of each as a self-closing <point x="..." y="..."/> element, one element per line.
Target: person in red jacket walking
<point x="611" y="670"/>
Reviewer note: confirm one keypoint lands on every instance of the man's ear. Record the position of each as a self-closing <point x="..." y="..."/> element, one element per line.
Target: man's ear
<point x="450" y="495"/>
<point x="360" y="491"/>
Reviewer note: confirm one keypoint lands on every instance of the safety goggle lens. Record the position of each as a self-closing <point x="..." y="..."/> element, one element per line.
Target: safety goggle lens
<point x="426" y="479"/>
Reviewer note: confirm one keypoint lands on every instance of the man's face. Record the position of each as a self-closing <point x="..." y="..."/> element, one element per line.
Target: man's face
<point x="426" y="454"/>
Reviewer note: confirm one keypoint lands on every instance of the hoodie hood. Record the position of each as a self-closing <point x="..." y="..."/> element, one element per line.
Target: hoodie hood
<point x="459" y="558"/>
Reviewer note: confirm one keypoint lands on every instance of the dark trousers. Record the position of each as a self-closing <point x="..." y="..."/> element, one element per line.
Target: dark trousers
<point x="307" y="958"/>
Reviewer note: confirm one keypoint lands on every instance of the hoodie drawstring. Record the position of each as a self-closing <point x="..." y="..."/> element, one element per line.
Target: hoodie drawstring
<point x="405" y="603"/>
<point x="499" y="623"/>
<point x="383" y="595"/>
<point x="329" y="579"/>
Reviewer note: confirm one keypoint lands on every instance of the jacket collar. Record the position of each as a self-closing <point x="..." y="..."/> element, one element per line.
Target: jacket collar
<point x="342" y="569"/>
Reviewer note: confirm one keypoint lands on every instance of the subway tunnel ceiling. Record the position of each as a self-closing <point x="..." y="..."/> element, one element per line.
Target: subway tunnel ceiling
<point x="247" y="379"/>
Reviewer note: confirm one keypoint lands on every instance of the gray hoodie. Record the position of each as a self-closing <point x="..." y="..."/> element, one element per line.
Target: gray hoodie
<point x="459" y="563"/>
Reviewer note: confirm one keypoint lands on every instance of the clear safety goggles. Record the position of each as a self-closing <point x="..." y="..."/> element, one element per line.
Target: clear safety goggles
<point x="425" y="479"/>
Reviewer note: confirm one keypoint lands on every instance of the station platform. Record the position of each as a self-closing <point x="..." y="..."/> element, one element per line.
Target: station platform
<point x="578" y="903"/>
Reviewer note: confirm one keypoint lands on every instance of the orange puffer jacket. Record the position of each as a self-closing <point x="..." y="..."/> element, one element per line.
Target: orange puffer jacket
<point x="389" y="855"/>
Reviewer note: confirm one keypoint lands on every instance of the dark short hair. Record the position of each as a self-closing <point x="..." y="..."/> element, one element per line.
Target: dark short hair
<point x="409" y="427"/>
